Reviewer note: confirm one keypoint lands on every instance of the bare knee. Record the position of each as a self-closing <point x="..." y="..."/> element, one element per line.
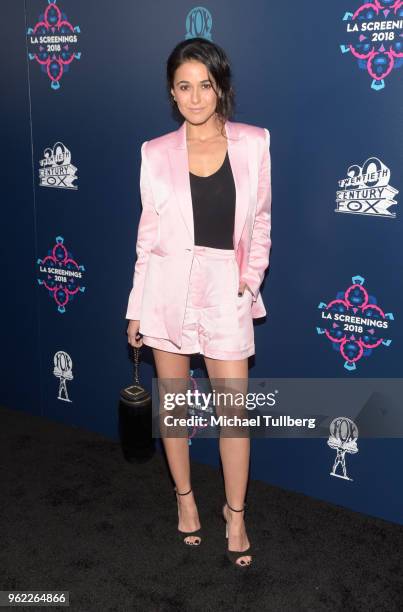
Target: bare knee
<point x="173" y="382"/>
<point x="229" y="381"/>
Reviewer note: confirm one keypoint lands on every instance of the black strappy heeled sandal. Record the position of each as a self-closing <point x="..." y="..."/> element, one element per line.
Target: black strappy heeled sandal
<point x="185" y="534"/>
<point x="234" y="555"/>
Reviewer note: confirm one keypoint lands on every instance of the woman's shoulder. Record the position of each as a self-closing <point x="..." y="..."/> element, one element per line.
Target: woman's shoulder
<point x="158" y="142"/>
<point x="155" y="148"/>
<point x="250" y="130"/>
<point x="163" y="139"/>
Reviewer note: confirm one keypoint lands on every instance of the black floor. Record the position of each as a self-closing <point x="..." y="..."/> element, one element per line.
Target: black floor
<point x="76" y="516"/>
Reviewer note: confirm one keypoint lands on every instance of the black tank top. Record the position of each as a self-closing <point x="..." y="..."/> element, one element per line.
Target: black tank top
<point x="213" y="201"/>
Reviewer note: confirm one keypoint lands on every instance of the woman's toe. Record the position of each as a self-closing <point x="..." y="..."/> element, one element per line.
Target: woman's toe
<point x="193" y="541"/>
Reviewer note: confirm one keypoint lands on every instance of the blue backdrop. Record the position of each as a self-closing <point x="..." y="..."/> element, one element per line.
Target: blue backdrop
<point x="326" y="79"/>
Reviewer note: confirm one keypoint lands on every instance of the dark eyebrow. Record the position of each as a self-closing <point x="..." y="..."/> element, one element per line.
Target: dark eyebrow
<point x="204" y="81"/>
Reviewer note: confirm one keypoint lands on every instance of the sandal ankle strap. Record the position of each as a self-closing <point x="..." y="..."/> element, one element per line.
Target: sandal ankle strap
<point x="233" y="509"/>
<point x="187" y="493"/>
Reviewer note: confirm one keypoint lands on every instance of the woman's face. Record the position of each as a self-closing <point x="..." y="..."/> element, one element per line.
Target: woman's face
<point x="194" y="93"/>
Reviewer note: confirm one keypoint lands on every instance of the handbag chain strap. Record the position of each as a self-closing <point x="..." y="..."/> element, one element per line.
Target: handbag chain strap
<point x="136" y="364"/>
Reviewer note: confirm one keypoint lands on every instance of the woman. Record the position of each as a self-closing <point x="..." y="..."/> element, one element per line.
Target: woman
<point x="202" y="249"/>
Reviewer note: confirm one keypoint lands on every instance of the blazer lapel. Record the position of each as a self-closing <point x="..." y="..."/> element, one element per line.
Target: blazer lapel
<point x="239" y="160"/>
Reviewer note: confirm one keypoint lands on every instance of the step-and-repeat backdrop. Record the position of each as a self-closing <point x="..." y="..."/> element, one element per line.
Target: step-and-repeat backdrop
<point x="86" y="84"/>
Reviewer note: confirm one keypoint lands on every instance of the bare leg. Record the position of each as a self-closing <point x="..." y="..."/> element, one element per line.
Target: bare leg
<point x="174" y="365"/>
<point x="235" y="454"/>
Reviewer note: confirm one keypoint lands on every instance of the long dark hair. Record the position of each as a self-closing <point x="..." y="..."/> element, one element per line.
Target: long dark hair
<point x="218" y="65"/>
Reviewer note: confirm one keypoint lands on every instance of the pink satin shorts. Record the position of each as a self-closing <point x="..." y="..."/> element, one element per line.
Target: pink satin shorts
<point x="217" y="323"/>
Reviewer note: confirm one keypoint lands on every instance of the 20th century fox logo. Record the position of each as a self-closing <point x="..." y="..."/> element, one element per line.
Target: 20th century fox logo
<point x="56" y="169"/>
<point x="366" y="190"/>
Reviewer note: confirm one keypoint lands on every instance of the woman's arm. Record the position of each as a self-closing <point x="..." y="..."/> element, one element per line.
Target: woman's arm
<point x="146" y="235"/>
<point x="261" y="241"/>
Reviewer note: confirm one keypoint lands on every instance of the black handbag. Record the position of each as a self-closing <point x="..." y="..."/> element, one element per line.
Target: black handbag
<point x="135" y="419"/>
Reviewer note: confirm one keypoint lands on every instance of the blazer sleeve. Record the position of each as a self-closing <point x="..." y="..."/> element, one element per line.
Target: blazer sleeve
<point x="261" y="234"/>
<point x="146" y="236"/>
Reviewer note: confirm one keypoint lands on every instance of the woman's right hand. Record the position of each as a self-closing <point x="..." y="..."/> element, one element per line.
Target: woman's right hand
<point x="135" y="339"/>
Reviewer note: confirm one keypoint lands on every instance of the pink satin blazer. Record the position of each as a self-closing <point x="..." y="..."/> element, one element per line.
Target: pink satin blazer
<point x="165" y="238"/>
